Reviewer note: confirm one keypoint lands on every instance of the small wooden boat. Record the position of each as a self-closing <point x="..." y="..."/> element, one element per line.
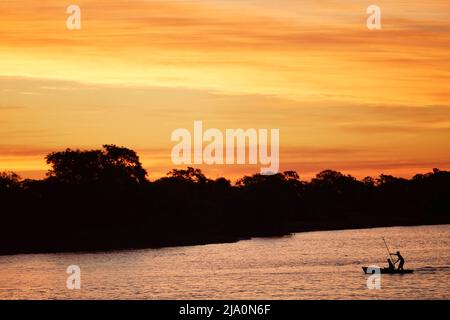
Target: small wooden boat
<point x="388" y="271"/>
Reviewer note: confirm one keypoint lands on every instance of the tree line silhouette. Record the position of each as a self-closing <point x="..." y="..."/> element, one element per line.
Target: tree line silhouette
<point x="102" y="199"/>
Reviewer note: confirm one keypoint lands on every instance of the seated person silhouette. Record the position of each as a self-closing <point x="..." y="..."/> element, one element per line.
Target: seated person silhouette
<point x="391" y="265"/>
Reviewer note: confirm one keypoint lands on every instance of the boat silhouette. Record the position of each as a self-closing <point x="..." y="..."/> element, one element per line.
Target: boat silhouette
<point x="387" y="271"/>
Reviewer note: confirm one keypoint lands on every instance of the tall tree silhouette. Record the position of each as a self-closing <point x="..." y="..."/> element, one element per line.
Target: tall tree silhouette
<point x="111" y="165"/>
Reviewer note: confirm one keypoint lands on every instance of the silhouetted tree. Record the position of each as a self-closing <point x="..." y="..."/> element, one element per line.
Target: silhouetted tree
<point x="9" y="180"/>
<point x="111" y="165"/>
<point x="369" y="182"/>
<point x="101" y="199"/>
<point x="188" y="175"/>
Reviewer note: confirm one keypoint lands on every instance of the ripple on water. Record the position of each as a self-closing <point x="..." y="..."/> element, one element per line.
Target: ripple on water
<point x="310" y="265"/>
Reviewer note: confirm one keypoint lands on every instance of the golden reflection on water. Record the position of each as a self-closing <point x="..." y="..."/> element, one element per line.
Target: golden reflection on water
<point x="312" y="265"/>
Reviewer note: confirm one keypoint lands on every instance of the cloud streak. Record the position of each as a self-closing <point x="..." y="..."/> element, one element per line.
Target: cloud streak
<point x="238" y="47"/>
<point x="341" y="95"/>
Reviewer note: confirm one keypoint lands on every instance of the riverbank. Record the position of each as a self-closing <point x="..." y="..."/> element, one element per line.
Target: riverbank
<point x="59" y="246"/>
<point x="111" y="210"/>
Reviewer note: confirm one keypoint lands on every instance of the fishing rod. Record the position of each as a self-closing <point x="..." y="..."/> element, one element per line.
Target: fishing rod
<point x="390" y="255"/>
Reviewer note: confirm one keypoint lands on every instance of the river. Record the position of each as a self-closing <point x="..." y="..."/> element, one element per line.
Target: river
<point x="309" y="265"/>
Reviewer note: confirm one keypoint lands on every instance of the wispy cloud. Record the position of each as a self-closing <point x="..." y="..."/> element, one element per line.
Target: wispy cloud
<point x="302" y="50"/>
<point x="342" y="96"/>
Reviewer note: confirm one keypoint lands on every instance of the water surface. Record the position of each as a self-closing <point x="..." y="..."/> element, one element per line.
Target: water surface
<point x="310" y="265"/>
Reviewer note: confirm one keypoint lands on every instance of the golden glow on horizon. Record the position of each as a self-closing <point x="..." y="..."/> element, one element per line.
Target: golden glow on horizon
<point x="343" y="97"/>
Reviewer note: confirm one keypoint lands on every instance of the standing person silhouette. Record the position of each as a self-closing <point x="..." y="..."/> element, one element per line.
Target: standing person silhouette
<point x="400" y="258"/>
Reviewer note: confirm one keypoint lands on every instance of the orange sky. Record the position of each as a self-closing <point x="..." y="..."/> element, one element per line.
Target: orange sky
<point x="343" y="97"/>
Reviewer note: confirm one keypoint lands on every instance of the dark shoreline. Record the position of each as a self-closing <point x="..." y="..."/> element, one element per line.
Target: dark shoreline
<point x="223" y="240"/>
<point x="97" y="200"/>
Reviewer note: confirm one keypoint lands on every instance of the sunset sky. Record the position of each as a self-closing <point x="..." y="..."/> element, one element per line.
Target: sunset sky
<point x="344" y="97"/>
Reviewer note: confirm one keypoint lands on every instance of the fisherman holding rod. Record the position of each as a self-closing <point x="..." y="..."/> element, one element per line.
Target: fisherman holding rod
<point x="399" y="256"/>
